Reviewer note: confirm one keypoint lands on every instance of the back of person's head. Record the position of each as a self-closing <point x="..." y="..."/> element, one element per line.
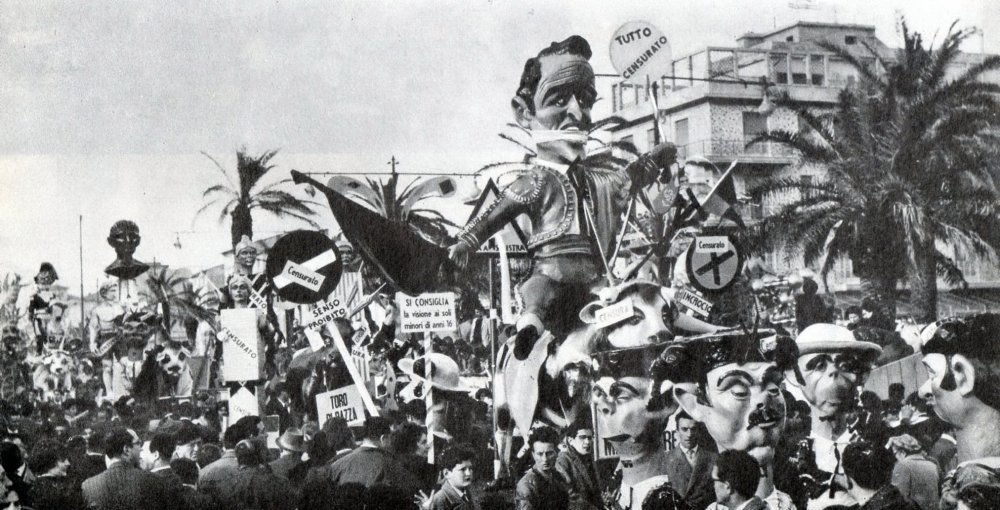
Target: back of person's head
<point x="164" y="444"/>
<point x="376" y="427"/>
<point x="980" y="496"/>
<point x="455" y="455"/>
<point x="338" y="433"/>
<point x="740" y="470"/>
<point x="10" y="457"/>
<point x="249" y="452"/>
<point x="95" y="440"/>
<point x="405" y="438"/>
<point x="116" y="441"/>
<point x="187" y="432"/>
<point x="45" y="455"/>
<point x="868" y="464"/>
<point x="186" y="470"/>
<point x="209" y="453"/>
<point x="896" y="392"/>
<point x="543" y="434"/>
<point x="244" y="428"/>
<point x="809" y="286"/>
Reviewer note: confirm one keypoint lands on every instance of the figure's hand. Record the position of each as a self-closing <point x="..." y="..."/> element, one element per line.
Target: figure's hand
<point x="905" y="413"/>
<point x="422" y="500"/>
<point x="459" y="253"/>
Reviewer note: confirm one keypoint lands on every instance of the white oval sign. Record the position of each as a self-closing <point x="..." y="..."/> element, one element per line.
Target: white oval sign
<point x="640" y="51"/>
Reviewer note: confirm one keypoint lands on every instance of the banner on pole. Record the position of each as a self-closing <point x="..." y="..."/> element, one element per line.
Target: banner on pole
<point x="242" y="352"/>
<point x="243" y="403"/>
<point x="344" y="403"/>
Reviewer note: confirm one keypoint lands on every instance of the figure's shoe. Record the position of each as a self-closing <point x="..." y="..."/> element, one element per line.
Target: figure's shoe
<point x="524" y="341"/>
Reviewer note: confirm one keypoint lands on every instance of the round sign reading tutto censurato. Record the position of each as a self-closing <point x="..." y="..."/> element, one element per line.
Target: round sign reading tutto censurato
<point x="640" y="52"/>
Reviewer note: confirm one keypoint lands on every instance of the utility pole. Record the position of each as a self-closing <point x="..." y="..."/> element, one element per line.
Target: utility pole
<point x="393" y="162"/>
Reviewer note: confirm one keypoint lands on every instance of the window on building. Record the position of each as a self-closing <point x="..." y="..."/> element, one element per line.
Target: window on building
<point x="753" y="124"/>
<point x="681" y="133"/>
<point x="799" y="70"/>
<point x="790" y="38"/>
<point x="816" y="70"/>
<point x="651" y="138"/>
<point x="850" y="39"/>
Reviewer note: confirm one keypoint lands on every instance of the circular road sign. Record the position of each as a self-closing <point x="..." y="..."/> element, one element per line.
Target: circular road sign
<point x="713" y="263"/>
<point x="640" y="52"/>
<point x="304" y="267"/>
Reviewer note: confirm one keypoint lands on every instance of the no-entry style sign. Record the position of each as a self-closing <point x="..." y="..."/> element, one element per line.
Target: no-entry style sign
<point x="640" y="52"/>
<point x="304" y="267"/>
<point x="713" y="263"/>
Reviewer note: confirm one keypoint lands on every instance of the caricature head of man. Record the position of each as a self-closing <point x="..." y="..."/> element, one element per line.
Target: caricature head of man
<point x="730" y="382"/>
<point x="833" y="365"/>
<point x="557" y="91"/>
<point x="962" y="357"/>
<point x="631" y="408"/>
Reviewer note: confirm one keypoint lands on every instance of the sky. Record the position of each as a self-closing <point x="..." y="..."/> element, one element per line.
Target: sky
<point x="108" y="109"/>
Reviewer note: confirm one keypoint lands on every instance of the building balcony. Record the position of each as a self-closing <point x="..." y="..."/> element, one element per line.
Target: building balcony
<point x="719" y="150"/>
<point x="807" y="73"/>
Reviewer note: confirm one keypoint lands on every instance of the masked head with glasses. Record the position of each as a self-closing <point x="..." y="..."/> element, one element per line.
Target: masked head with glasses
<point x="832" y="365"/>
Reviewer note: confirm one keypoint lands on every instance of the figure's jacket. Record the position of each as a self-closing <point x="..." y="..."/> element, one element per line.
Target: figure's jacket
<point x="555" y="225"/>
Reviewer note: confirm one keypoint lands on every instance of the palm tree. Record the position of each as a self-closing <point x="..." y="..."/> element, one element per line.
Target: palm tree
<point x="909" y="166"/>
<point x="401" y="206"/>
<point x="179" y="302"/>
<point x="243" y="195"/>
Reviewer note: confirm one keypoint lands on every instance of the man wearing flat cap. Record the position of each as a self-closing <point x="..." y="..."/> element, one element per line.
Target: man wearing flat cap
<point x="962" y="357"/>
<point x="730" y="381"/>
<point x="833" y="366"/>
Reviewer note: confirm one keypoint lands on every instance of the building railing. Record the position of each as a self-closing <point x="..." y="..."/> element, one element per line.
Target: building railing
<point x="724" y="147"/>
<point x="813" y="69"/>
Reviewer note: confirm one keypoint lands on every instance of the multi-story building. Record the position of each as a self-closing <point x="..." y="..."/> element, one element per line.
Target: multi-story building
<point x="715" y="119"/>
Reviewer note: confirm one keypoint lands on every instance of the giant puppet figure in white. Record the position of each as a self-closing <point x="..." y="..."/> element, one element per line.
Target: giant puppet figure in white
<point x="573" y="208"/>
<point x="730" y="381"/>
<point x="833" y="366"/>
<point x="103" y="330"/>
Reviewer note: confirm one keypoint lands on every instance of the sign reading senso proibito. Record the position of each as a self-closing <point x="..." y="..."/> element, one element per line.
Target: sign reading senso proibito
<point x="640" y="52"/>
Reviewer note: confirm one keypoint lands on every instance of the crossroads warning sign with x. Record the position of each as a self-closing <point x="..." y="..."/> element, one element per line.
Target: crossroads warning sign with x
<point x="713" y="263"/>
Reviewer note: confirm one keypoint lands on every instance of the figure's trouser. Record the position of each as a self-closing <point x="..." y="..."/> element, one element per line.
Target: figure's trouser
<point x="556" y="291"/>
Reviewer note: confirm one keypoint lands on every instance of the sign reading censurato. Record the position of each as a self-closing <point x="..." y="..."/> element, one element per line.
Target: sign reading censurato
<point x="713" y="268"/>
<point x="304" y="267"/>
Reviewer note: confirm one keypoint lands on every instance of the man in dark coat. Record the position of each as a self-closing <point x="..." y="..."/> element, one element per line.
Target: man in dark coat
<point x="541" y="487"/>
<point x="576" y="466"/>
<point x="689" y="466"/>
<point x="371" y="465"/>
<point x="123" y="485"/>
<point x="155" y="458"/>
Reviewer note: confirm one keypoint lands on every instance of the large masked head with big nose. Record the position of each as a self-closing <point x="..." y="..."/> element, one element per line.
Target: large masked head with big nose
<point x="554" y="99"/>
<point x="832" y="365"/>
<point x="730" y="382"/>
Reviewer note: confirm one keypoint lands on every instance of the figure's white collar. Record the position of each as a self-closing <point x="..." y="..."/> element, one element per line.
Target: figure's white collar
<point x="559" y="167"/>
